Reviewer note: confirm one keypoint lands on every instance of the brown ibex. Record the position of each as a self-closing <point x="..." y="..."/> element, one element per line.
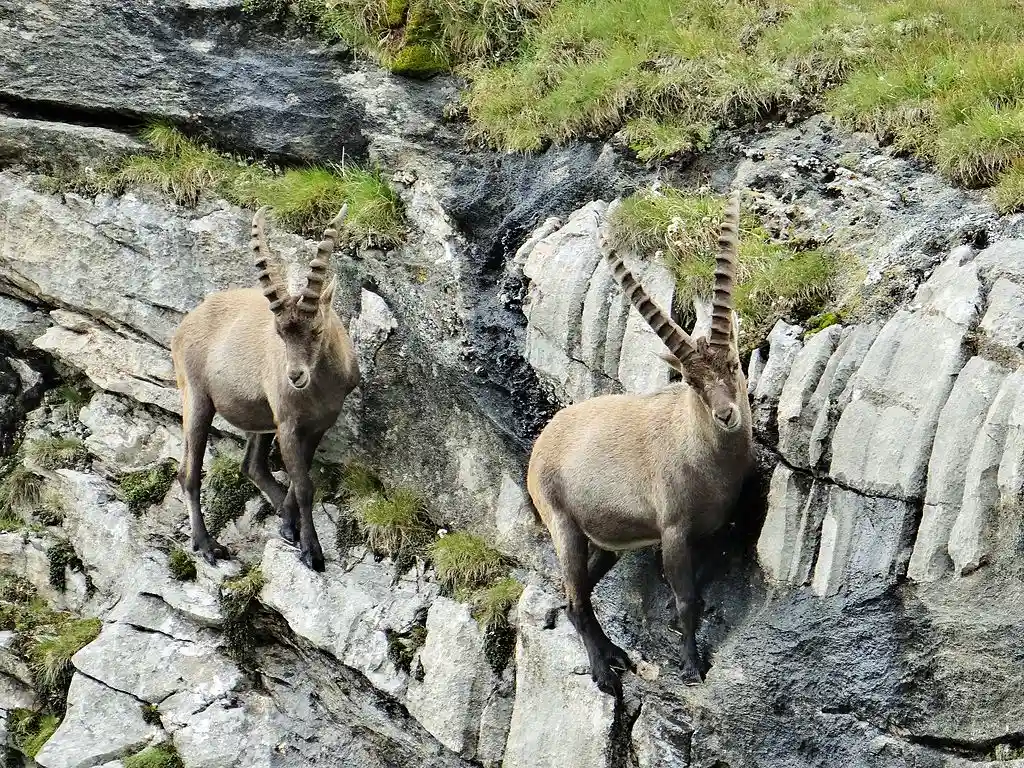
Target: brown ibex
<point x="268" y="362"/>
<point x="621" y="472"/>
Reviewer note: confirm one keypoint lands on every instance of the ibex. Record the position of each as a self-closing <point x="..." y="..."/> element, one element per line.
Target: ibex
<point x="268" y="362"/>
<point x="621" y="472"/>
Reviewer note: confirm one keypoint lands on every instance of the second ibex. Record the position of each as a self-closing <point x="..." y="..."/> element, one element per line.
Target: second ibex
<point x="621" y="472"/>
<point x="268" y="362"/>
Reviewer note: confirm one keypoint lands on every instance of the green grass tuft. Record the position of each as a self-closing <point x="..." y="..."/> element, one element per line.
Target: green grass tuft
<point x="181" y="565"/>
<point x="52" y="507"/>
<point x="29" y="731"/>
<point x="147" y="487"/>
<point x="359" y="481"/>
<point x="1009" y="192"/>
<point x="62" y="556"/>
<point x="465" y="562"/>
<point x="303" y="199"/>
<point x="773" y="280"/>
<point x="394" y="525"/>
<point x="491" y="604"/>
<point x="69" y="398"/>
<point x="227" y="490"/>
<point x="160" y="756"/>
<point x="50" y="650"/>
<point x="57" y="452"/>
<point x="20" y="490"/>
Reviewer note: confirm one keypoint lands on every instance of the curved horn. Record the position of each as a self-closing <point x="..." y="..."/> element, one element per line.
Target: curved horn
<point x="265" y="262"/>
<point x="675" y="338"/>
<point x="318" y="265"/>
<point x="725" y="273"/>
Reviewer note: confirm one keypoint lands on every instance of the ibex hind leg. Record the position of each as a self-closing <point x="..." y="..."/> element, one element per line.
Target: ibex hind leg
<point x="257" y="468"/>
<point x="198" y="416"/>
<point x="571" y="544"/>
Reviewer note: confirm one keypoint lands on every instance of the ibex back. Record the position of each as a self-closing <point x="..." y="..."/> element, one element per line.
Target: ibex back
<point x="268" y="362"/>
<point x="622" y="472"/>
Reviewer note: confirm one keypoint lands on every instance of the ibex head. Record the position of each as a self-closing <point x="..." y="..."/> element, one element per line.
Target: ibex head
<point x="711" y="364"/>
<point x="301" y="321"/>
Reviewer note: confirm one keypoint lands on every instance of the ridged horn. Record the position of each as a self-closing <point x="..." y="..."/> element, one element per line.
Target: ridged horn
<point x="725" y="274"/>
<point x="679" y="344"/>
<point x="270" y="280"/>
<point x="320" y="262"/>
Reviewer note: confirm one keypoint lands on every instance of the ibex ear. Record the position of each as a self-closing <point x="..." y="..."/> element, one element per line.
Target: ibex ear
<point x="673" y="362"/>
<point x="327" y="294"/>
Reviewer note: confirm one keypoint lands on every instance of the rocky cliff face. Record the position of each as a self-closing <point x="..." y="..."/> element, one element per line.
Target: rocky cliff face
<point x="864" y="609"/>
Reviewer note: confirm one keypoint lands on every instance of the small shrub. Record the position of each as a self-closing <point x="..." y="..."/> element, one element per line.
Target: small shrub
<point x="49" y="650"/>
<point x="29" y="731"/>
<point x="394" y="525"/>
<point x="465" y="562"/>
<point x="181" y="565"/>
<point x="62" y="556"/>
<point x="57" y="452"/>
<point x="238" y="601"/>
<point x="147" y="487"/>
<point x="160" y="756"/>
<point x="20" y="489"/>
<point x="227" y="491"/>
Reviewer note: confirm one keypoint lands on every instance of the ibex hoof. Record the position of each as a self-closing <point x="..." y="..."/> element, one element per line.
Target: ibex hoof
<point x="607" y="681"/>
<point x="212" y="551"/>
<point x="619" y="659"/>
<point x="313" y="560"/>
<point x="690" y="674"/>
<point x="289" y="533"/>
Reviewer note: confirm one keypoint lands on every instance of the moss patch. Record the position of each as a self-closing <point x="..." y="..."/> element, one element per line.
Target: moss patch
<point x="238" y="604"/>
<point x="181" y="565"/>
<point x="226" y="490"/>
<point x="62" y="557"/>
<point x="147" y="487"/>
<point x="774" y="280"/>
<point x="402" y="646"/>
<point x="160" y="756"/>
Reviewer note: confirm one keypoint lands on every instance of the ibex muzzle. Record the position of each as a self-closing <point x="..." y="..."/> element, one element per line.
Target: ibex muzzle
<point x="269" y="363"/>
<point x="622" y="472"/>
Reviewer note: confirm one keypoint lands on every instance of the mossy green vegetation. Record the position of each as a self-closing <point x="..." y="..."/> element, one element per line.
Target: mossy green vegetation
<point x="54" y="452"/>
<point x="394" y="524"/>
<point x="238" y="604"/>
<point x="181" y="565"/>
<point x="147" y="487"/>
<point x="226" y="490"/>
<point x="161" y="756"/>
<point x="491" y="604"/>
<point x="774" y="280"/>
<point x="20" y="492"/>
<point x="61" y="557"/>
<point x="29" y="731"/>
<point x="465" y="562"/>
<point x="402" y="646"/>
<point x="303" y="199"/>
<point x="52" y="507"/>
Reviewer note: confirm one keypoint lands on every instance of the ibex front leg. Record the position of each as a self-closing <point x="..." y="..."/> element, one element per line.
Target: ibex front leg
<point x="677" y="558"/>
<point x="297" y="449"/>
<point x="257" y="468"/>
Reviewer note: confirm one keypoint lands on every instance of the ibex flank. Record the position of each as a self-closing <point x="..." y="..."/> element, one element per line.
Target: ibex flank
<point x="621" y="472"/>
<point x="268" y="362"/>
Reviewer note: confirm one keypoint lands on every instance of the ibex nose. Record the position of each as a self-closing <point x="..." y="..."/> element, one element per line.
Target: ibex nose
<point x="724" y="415"/>
<point x="298" y="377"/>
